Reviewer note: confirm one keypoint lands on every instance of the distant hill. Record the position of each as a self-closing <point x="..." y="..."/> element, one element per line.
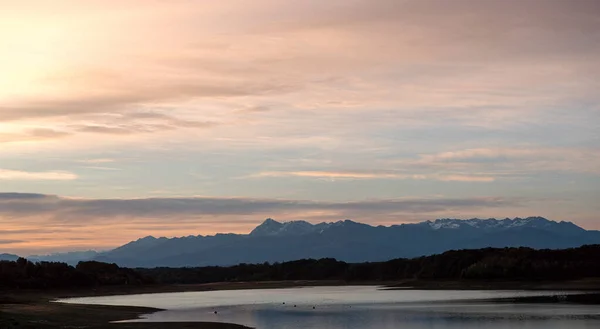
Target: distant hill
<point x="71" y="258"/>
<point x="348" y="241"/>
<point x="500" y="264"/>
<point x="8" y="257"/>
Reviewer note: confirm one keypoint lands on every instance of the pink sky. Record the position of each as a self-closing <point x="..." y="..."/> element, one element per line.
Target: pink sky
<point x="473" y="109"/>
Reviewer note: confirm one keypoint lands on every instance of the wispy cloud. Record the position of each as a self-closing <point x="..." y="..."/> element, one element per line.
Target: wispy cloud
<point x="436" y="60"/>
<point x="375" y="175"/>
<point x="69" y="208"/>
<point x="137" y="123"/>
<point x="5" y="242"/>
<point x="102" y="168"/>
<point x="465" y="178"/>
<point x="520" y="161"/>
<point x="98" y="160"/>
<point x="32" y="135"/>
<point x="482" y="165"/>
<point x="333" y="174"/>
<point x="6" y="174"/>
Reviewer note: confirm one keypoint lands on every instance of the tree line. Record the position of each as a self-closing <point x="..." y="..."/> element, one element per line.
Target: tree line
<point x="478" y="264"/>
<point x="23" y="274"/>
<point x="513" y="264"/>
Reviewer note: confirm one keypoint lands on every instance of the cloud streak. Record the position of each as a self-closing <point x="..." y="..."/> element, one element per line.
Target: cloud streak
<point x="375" y="175"/>
<point x="259" y="55"/>
<point x="32" y="135"/>
<point x="520" y="161"/>
<point x="8" y="242"/>
<point x="98" y="209"/>
<point x="6" y="174"/>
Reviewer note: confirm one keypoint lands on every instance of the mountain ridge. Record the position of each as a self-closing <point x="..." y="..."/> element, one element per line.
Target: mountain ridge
<point x="351" y="241"/>
<point x="347" y="240"/>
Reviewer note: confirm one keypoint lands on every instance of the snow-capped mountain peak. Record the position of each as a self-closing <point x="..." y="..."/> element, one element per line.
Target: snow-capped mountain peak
<point x="498" y="224"/>
<point x="443" y="224"/>
<point x="271" y="227"/>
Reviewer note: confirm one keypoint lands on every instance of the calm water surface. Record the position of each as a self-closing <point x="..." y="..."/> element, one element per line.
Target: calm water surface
<point x="353" y="307"/>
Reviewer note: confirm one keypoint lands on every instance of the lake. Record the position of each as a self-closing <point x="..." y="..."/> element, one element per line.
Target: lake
<point x="354" y="307"/>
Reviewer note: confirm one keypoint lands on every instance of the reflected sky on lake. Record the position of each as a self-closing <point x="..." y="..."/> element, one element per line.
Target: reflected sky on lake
<point x="359" y="307"/>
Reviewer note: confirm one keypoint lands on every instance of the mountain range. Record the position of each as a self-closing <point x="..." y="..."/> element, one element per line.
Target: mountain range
<point x="274" y="241"/>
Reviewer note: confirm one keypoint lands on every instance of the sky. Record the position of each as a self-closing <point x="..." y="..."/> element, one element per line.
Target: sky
<point x="172" y="118"/>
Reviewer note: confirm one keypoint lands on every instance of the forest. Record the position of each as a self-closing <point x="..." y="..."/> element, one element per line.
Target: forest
<point x="23" y="274"/>
<point x="513" y="264"/>
<point x="524" y="264"/>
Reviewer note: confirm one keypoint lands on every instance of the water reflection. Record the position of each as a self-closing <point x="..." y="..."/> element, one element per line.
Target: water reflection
<point x="437" y="316"/>
<point x="359" y="307"/>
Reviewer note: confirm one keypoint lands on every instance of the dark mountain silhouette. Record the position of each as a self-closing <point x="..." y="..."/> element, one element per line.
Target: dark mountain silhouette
<point x="348" y="241"/>
<point x="8" y="257"/>
<point x="71" y="258"/>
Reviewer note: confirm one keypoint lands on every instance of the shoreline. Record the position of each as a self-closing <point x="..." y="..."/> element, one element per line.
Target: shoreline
<point x="588" y="285"/>
<point x="39" y="309"/>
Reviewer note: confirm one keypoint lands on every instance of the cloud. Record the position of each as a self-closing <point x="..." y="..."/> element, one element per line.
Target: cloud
<point x="254" y="110"/>
<point x="116" y="130"/>
<point x="375" y="175"/>
<point x="21" y="196"/>
<point x="333" y="174"/>
<point x="6" y="174"/>
<point x="102" y="209"/>
<point x="98" y="160"/>
<point x="519" y="161"/>
<point x="3" y="241"/>
<point x="475" y="154"/>
<point x="465" y="178"/>
<point x="28" y="135"/>
<point x="127" y="129"/>
<point x="123" y="103"/>
<point x="119" y="125"/>
<point x="409" y="52"/>
<point x="393" y="66"/>
<point x="102" y="168"/>
<point x="475" y="165"/>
